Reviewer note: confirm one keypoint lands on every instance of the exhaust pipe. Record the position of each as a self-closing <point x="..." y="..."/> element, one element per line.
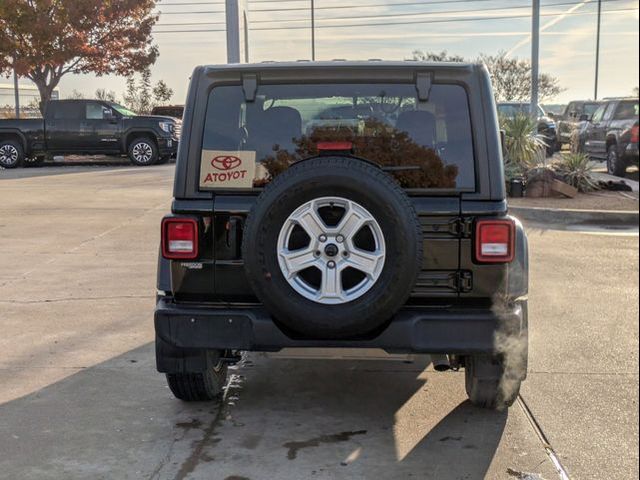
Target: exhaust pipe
<point x="440" y="362"/>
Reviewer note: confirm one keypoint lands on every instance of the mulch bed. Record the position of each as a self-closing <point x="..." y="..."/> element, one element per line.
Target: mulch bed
<point x="602" y="200"/>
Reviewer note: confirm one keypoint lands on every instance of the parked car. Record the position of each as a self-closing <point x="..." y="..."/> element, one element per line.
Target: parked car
<point x="612" y="134"/>
<point x="546" y="125"/>
<point x="174" y="111"/>
<point x="344" y="205"/>
<point x="88" y="127"/>
<point x="574" y="117"/>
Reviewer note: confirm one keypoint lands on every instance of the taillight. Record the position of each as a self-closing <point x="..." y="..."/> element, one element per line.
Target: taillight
<point x="328" y="147"/>
<point x="495" y="241"/>
<point x="634" y="134"/>
<point x="179" y="238"/>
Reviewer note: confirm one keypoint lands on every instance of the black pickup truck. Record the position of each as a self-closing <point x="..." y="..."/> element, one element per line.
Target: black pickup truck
<point x="88" y="127"/>
<point x="353" y="205"/>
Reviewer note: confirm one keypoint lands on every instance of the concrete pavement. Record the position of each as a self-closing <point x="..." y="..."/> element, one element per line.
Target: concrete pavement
<point x="80" y="398"/>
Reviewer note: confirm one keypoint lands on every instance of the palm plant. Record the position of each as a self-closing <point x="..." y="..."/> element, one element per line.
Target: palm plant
<point x="524" y="147"/>
<point x="576" y="170"/>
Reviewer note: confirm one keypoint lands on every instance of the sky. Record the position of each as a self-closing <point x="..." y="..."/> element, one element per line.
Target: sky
<point x="392" y="29"/>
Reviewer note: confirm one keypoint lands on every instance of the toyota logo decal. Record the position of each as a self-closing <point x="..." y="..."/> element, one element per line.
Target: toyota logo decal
<point x="225" y="162"/>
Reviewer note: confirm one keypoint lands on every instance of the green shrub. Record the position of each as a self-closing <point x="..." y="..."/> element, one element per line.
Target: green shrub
<point x="524" y="147"/>
<point x="576" y="170"/>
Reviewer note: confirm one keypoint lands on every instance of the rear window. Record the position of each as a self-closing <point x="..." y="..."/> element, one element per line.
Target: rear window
<point x="423" y="144"/>
<point x="627" y="110"/>
<point x="66" y="110"/>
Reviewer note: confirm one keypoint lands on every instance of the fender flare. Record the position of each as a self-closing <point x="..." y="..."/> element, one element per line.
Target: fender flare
<point x="20" y="135"/>
<point x="136" y="130"/>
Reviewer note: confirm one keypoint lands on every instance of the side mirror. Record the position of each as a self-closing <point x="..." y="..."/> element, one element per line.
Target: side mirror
<point x="108" y="114"/>
<point x="584" y="117"/>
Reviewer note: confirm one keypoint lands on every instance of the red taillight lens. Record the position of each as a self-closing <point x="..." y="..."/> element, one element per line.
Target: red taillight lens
<point x="179" y="238"/>
<point x="634" y="134"/>
<point x="495" y="240"/>
<point x="334" y="146"/>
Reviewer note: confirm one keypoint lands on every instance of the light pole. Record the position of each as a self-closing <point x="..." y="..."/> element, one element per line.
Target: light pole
<point x="313" y="31"/>
<point x="595" y="88"/>
<point x="535" y="49"/>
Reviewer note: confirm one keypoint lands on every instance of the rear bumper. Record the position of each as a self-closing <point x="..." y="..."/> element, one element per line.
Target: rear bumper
<point x="459" y="330"/>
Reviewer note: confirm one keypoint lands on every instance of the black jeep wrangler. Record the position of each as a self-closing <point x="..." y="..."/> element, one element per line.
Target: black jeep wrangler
<point x="344" y="205"/>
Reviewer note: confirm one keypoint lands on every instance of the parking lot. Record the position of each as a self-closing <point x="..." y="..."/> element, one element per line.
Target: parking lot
<point x="80" y="397"/>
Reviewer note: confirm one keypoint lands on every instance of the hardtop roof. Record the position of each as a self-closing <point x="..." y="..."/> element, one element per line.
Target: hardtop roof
<point x="356" y="64"/>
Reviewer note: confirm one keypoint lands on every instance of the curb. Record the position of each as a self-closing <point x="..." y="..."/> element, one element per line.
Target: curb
<point x="572" y="216"/>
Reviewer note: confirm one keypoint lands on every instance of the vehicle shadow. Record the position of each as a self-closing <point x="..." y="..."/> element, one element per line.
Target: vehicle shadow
<point x="281" y="419"/>
<point x="77" y="164"/>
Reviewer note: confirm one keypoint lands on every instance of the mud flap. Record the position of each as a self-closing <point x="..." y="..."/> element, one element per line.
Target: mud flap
<point x="170" y="359"/>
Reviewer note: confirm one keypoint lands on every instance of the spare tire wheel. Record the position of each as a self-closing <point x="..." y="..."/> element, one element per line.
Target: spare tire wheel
<point x="332" y="247"/>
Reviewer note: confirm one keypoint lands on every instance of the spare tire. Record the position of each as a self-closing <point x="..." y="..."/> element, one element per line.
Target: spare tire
<point x="332" y="248"/>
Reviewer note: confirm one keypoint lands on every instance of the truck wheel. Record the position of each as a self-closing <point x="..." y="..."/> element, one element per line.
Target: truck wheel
<point x="332" y="248"/>
<point x="143" y="152"/>
<point x="487" y="383"/>
<point x="11" y="154"/>
<point x="615" y="165"/>
<point x="199" y="386"/>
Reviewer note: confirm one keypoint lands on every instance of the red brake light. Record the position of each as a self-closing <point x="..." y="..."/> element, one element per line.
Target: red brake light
<point x="334" y="146"/>
<point x="495" y="241"/>
<point x="179" y="238"/>
<point x="634" y="134"/>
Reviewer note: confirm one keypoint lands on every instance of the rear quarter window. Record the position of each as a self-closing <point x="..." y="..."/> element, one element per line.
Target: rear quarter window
<point x="424" y="145"/>
<point x="627" y="110"/>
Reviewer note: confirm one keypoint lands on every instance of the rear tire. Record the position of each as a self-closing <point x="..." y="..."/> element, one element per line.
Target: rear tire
<point x="487" y="383"/>
<point x="615" y="164"/>
<point x="11" y="154"/>
<point x="199" y="386"/>
<point x="143" y="152"/>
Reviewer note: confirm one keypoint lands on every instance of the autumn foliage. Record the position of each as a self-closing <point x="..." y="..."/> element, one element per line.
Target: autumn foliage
<point x="46" y="39"/>
<point x="415" y="166"/>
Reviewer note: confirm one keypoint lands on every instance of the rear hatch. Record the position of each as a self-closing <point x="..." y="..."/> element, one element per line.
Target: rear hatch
<point x="255" y="130"/>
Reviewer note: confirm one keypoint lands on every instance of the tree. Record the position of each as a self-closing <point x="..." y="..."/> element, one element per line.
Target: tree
<point x="108" y="96"/>
<point x="44" y="40"/>
<point x="442" y="56"/>
<point x="141" y="97"/>
<point x="75" y="95"/>
<point x="511" y="77"/>
<point x="162" y="93"/>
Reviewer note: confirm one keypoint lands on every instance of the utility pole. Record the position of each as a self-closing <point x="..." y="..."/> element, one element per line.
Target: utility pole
<point x="535" y="54"/>
<point x="595" y="89"/>
<point x="313" y="31"/>
<point x="236" y="13"/>
<point x="16" y="92"/>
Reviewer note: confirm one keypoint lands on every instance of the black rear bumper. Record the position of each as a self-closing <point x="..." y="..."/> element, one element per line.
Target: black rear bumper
<point x="458" y="330"/>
